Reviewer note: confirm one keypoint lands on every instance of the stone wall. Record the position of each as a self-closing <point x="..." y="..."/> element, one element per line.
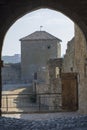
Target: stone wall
<point x="42" y="76"/>
<point x="80" y="67"/>
<point x="68" y="60"/>
<point x="54" y="67"/>
<point x="75" y="61"/>
<point x="42" y="88"/>
<point x="35" y="54"/>
<point x="52" y="89"/>
<point x="47" y="97"/>
<point x="11" y="73"/>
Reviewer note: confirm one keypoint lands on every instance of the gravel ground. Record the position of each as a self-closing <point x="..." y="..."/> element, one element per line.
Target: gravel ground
<point x="62" y="123"/>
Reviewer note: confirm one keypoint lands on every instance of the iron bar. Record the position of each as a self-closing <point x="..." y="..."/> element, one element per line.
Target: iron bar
<point x="42" y="102"/>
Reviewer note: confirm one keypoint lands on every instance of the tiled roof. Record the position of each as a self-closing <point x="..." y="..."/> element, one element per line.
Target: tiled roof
<point x="38" y="35"/>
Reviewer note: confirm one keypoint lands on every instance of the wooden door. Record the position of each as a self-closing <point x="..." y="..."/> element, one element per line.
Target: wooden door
<point x="69" y="91"/>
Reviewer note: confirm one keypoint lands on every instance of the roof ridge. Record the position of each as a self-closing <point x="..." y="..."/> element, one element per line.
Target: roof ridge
<point x="37" y="35"/>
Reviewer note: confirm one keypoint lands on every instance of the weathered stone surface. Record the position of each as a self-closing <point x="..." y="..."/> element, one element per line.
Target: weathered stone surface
<point x="11" y="73"/>
<point x="68" y="60"/>
<point x="80" y="64"/>
<point x="75" y="61"/>
<point x="36" y="50"/>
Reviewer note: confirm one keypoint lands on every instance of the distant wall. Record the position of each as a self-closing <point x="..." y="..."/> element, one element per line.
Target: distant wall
<point x="11" y="73"/>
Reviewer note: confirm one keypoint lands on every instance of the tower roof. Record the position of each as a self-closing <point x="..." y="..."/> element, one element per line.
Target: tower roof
<point x="38" y="35"/>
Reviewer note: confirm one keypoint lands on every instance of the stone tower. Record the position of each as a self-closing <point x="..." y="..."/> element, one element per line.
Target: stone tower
<point x="36" y="49"/>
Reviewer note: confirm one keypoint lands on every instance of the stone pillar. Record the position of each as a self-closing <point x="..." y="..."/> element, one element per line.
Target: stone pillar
<point x="1" y="64"/>
<point x="80" y="56"/>
<point x="55" y="83"/>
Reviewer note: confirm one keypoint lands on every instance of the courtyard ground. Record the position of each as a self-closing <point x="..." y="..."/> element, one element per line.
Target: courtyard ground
<point x="41" y="121"/>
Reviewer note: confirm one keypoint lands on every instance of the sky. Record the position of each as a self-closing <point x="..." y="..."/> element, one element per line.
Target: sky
<point x="52" y="21"/>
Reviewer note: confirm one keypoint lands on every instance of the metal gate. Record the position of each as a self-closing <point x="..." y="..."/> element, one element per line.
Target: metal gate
<point x="30" y="103"/>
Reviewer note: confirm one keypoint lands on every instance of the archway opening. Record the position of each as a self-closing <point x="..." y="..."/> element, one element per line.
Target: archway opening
<point x="72" y="63"/>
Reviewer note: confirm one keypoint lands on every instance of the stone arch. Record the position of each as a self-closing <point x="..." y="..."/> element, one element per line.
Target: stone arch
<point x="13" y="10"/>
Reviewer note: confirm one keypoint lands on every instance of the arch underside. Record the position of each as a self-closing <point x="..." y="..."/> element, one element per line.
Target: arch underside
<point x="13" y="10"/>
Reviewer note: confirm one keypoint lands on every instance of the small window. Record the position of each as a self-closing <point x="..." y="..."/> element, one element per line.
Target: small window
<point x="48" y="47"/>
<point x="71" y="69"/>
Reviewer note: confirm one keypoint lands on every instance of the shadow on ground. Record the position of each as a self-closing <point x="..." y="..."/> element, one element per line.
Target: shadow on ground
<point x="22" y="100"/>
